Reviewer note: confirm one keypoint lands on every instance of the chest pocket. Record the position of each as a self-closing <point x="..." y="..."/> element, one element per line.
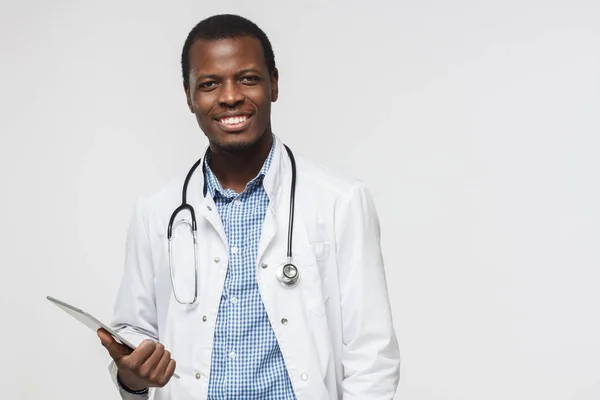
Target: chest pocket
<point x="319" y="241"/>
<point x="320" y="245"/>
<point x="321" y="251"/>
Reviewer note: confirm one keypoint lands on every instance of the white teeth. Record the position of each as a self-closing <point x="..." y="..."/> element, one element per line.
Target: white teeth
<point x="234" y="120"/>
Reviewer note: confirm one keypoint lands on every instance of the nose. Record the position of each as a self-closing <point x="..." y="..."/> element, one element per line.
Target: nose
<point x="231" y="95"/>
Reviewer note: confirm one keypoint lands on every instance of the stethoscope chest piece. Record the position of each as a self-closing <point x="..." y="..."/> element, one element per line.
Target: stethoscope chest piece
<point x="287" y="273"/>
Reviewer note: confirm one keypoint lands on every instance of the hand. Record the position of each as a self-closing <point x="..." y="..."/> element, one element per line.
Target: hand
<point x="149" y="365"/>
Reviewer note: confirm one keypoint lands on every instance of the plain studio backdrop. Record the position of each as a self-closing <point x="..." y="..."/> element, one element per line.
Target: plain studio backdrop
<point x="475" y="124"/>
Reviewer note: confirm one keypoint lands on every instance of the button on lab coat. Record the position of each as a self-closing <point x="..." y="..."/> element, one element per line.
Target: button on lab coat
<point x="334" y="327"/>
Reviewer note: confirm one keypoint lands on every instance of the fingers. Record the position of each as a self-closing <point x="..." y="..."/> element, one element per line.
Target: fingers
<point x="115" y="350"/>
<point x="159" y="376"/>
<point x="170" y="369"/>
<point x="105" y="337"/>
<point x="155" y="370"/>
<point x="148" y="365"/>
<point x="141" y="354"/>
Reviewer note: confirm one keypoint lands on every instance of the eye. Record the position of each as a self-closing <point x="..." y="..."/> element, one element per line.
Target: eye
<point x="250" y="79"/>
<point x="207" y="85"/>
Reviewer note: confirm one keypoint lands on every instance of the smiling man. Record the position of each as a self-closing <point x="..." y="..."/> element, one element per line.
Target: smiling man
<point x="281" y="294"/>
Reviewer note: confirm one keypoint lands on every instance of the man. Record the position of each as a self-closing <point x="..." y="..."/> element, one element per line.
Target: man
<point x="253" y="331"/>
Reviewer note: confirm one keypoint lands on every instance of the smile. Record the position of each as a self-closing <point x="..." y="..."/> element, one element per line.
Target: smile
<point x="235" y="122"/>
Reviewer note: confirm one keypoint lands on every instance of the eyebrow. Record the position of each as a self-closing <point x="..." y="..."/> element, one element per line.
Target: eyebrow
<point x="245" y="71"/>
<point x="241" y="72"/>
<point x="207" y="76"/>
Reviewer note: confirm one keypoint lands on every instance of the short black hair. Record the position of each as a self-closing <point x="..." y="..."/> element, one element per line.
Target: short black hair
<point x="224" y="26"/>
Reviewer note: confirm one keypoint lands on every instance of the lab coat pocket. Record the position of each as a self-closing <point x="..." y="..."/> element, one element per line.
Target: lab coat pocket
<point x="321" y="251"/>
<point x="319" y="307"/>
<point x="316" y="295"/>
<point x="318" y="332"/>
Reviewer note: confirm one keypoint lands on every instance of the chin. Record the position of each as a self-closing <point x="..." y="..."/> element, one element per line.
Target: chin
<point x="236" y="142"/>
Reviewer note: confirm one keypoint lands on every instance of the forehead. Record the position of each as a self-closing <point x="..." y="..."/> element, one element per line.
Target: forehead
<point x="226" y="55"/>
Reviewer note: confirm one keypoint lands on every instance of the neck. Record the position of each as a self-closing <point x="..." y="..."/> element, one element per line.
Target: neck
<point x="235" y="169"/>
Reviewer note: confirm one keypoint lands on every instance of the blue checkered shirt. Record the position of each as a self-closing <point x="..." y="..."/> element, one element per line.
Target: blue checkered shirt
<point x="246" y="360"/>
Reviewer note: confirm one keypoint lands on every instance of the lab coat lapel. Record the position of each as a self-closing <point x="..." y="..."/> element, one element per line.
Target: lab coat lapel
<point x="274" y="183"/>
<point x="205" y="205"/>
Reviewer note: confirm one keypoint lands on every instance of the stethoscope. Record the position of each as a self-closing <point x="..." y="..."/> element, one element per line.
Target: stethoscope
<point x="287" y="272"/>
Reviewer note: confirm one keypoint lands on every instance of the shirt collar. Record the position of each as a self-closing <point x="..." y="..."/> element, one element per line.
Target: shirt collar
<point x="213" y="185"/>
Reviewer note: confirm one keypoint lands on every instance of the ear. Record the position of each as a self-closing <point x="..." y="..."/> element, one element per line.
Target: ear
<point x="188" y="97"/>
<point x="274" y="85"/>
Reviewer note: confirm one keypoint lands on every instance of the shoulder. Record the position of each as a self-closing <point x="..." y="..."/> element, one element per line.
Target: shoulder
<point x="162" y="200"/>
<point x="334" y="195"/>
<point x="320" y="178"/>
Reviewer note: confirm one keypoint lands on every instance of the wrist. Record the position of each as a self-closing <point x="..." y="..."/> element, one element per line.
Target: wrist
<point x="130" y="383"/>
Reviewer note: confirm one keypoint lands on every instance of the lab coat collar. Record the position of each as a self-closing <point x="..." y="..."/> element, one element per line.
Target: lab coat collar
<point x="278" y="172"/>
<point x="214" y="186"/>
<point x="275" y="179"/>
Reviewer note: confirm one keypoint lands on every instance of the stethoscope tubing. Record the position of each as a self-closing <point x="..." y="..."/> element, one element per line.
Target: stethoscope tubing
<point x="285" y="276"/>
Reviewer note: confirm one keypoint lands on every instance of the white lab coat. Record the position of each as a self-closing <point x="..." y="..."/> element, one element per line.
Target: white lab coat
<point x="338" y="341"/>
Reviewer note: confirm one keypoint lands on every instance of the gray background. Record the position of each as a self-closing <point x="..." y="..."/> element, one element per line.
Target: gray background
<point x="475" y="125"/>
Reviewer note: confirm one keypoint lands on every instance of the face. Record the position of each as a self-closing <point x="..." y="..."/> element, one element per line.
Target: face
<point x="230" y="92"/>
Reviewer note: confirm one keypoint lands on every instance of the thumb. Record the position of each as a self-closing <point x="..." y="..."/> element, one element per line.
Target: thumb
<point x="115" y="349"/>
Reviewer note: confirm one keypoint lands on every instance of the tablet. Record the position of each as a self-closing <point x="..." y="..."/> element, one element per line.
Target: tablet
<point x="91" y="322"/>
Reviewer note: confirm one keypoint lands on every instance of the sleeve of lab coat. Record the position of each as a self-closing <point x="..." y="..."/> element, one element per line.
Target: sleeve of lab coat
<point x="134" y="314"/>
<point x="370" y="353"/>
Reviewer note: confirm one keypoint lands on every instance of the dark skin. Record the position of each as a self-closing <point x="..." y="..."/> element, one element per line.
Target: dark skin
<point x="230" y="92"/>
<point x="229" y="77"/>
<point x="149" y="365"/>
